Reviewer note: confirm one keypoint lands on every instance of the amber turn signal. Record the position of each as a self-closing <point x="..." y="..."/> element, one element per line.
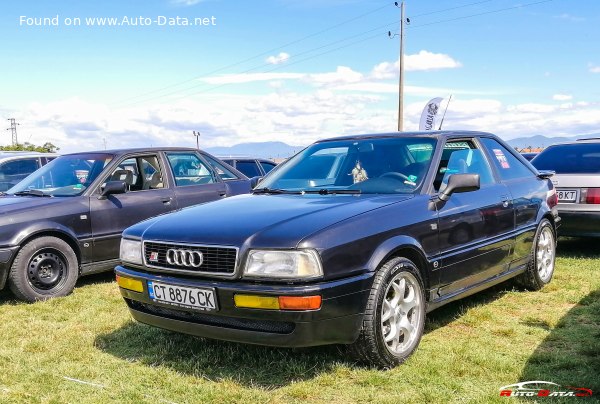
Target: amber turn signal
<point x="299" y="302"/>
<point x="129" y="283"/>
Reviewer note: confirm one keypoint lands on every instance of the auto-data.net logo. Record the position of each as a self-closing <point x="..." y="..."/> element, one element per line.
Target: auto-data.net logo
<point x="540" y="388"/>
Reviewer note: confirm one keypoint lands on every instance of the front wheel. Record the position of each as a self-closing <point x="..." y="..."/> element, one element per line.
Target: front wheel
<point x="540" y="267"/>
<point x="44" y="268"/>
<point x="394" y="317"/>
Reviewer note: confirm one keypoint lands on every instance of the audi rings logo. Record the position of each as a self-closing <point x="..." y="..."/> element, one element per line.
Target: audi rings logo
<point x="184" y="258"/>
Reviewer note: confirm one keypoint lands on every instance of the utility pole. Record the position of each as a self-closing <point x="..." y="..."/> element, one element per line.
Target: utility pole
<point x="13" y="129"/>
<point x="401" y="68"/>
<point x="197" y="134"/>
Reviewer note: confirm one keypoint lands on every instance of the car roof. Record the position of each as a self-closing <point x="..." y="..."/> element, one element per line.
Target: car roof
<point x="234" y="157"/>
<point x="135" y="150"/>
<point x="438" y="134"/>
<point x="9" y="154"/>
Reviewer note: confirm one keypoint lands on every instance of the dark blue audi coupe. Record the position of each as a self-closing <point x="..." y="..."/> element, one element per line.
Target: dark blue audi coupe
<point x="351" y="241"/>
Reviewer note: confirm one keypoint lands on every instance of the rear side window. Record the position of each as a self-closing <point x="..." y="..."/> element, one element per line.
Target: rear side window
<point x="188" y="169"/>
<point x="267" y="166"/>
<point x="509" y="167"/>
<point x="579" y="158"/>
<point x="249" y="168"/>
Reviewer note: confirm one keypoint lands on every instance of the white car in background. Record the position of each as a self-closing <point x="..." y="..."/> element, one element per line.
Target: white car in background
<point x="577" y="183"/>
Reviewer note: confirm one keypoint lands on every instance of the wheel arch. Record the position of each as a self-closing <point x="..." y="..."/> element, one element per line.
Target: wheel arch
<point x="64" y="236"/>
<point x="402" y="246"/>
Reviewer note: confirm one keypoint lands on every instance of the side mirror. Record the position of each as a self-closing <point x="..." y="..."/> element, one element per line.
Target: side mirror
<point x="254" y="181"/>
<point x="460" y="183"/>
<point x="113" y="187"/>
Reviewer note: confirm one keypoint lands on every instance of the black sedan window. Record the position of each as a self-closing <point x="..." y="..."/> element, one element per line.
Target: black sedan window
<point x="384" y="165"/>
<point x="68" y="175"/>
<point x="579" y="158"/>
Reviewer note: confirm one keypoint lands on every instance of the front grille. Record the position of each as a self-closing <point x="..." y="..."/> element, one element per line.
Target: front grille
<point x="217" y="260"/>
<point x="276" y="327"/>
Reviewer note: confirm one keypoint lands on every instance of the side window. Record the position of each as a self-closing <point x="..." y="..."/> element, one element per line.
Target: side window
<point x="267" y="166"/>
<point x="508" y="165"/>
<point x="188" y="169"/>
<point x="139" y="173"/>
<point x="462" y="157"/>
<point x="223" y="171"/>
<point x="249" y="168"/>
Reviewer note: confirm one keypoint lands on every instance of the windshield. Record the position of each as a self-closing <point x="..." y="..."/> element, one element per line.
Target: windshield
<point x="385" y="165"/>
<point x="577" y="158"/>
<point x="65" y="176"/>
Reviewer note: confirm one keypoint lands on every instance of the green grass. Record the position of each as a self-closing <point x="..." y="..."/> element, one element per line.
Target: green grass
<point x="470" y="349"/>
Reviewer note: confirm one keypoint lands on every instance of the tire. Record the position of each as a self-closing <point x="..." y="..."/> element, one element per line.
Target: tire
<point x="44" y="268"/>
<point x="540" y="267"/>
<point x="371" y="346"/>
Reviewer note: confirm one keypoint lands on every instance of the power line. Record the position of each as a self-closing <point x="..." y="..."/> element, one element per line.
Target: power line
<point x="279" y="67"/>
<point x="325" y="46"/>
<point x="259" y="54"/>
<point x="482" y="13"/>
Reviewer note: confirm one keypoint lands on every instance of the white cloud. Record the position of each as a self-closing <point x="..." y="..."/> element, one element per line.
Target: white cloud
<point x="570" y="17"/>
<point x="186" y="2"/>
<point x="562" y="97"/>
<point x="341" y="75"/>
<point x="278" y="59"/>
<point x="594" y="69"/>
<point x="424" y="60"/>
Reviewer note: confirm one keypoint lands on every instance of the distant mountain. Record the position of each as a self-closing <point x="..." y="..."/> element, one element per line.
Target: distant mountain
<point x="258" y="149"/>
<point x="545" y="141"/>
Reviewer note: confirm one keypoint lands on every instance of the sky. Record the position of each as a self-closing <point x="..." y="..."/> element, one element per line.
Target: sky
<point x="92" y="75"/>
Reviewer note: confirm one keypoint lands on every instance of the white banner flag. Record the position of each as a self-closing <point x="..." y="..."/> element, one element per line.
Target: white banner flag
<point x="429" y="113"/>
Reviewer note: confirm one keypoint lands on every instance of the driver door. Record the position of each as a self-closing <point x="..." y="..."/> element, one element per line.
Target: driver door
<point x="148" y="195"/>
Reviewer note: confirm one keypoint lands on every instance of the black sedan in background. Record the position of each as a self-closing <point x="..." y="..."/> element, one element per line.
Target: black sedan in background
<point x="66" y="219"/>
<point x="351" y="241"/>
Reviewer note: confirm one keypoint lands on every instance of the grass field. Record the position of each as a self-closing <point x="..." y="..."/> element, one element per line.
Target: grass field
<point x="85" y="348"/>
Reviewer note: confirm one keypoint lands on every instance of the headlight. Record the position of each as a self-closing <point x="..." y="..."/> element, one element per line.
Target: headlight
<point x="283" y="264"/>
<point x="131" y="251"/>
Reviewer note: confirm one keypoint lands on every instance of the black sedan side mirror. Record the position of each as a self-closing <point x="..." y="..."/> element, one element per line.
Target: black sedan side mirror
<point x="460" y="183"/>
<point x="456" y="183"/>
<point x="254" y="181"/>
<point x="113" y="187"/>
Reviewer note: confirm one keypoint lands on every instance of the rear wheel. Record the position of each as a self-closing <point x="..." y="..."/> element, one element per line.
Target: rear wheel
<point x="394" y="317"/>
<point x="541" y="263"/>
<point x="45" y="267"/>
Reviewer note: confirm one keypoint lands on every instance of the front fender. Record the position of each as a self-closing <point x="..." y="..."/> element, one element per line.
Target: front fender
<point x="409" y="248"/>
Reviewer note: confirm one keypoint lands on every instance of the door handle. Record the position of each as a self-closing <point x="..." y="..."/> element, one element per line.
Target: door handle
<point x="505" y="200"/>
<point x="167" y="201"/>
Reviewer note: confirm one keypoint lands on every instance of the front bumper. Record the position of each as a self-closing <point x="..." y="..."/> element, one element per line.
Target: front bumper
<point x="6" y="258"/>
<point x="579" y="224"/>
<point x="338" y="321"/>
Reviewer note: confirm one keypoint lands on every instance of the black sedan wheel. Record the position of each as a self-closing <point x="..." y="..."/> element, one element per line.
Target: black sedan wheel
<point x="45" y="267"/>
<point x="394" y="317"/>
<point x="543" y="254"/>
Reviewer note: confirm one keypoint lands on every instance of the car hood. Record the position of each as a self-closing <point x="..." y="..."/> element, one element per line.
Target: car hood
<point x="277" y="221"/>
<point x="10" y="204"/>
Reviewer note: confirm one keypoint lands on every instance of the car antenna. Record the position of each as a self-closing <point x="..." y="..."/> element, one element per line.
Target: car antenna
<point x="443" y="116"/>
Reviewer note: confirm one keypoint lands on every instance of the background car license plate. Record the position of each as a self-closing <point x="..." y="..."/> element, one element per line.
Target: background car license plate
<point x="197" y="298"/>
<point x="567" y="195"/>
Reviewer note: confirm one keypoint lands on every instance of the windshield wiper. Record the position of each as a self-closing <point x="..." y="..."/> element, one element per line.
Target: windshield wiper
<point x="275" y="191"/>
<point x="326" y="191"/>
<point x="31" y="192"/>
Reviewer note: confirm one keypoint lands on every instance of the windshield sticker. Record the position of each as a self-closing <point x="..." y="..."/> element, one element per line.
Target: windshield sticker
<point x="359" y="174"/>
<point x="501" y="158"/>
<point x="412" y="180"/>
